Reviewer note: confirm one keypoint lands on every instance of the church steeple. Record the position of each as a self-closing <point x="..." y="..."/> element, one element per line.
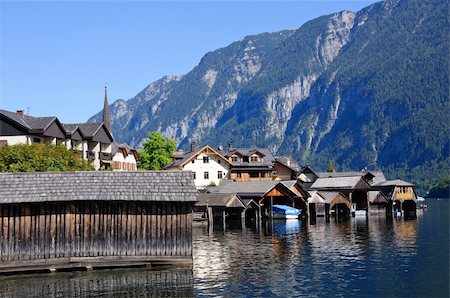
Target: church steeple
<point x="106" y="118"/>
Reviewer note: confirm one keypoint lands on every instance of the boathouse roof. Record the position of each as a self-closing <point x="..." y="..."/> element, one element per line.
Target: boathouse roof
<point x="396" y="182"/>
<point x="354" y="182"/>
<point x="97" y="186"/>
<point x="219" y="200"/>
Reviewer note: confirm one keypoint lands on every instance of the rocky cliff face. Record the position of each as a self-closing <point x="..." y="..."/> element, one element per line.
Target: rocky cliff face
<point x="362" y="89"/>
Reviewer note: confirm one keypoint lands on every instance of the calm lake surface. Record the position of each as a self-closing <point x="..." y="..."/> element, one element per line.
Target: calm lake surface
<point x="356" y="257"/>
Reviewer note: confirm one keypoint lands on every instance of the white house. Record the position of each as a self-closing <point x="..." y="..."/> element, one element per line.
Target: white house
<point x="209" y="167"/>
<point x="124" y="158"/>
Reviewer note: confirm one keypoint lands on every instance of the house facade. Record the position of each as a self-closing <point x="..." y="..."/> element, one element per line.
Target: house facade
<point x="250" y="164"/>
<point x="207" y="165"/>
<point x="18" y="128"/>
<point x="124" y="158"/>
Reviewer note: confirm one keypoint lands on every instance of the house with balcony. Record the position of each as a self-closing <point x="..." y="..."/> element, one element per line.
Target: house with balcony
<point x="250" y="164"/>
<point x="18" y="128"/>
<point x="95" y="144"/>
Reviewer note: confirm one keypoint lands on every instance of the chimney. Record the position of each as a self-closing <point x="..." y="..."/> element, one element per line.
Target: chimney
<point x="193" y="146"/>
<point x="230" y="146"/>
<point x="288" y="162"/>
<point x="20" y="113"/>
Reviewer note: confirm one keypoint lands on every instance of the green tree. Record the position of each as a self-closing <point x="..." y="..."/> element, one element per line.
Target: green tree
<point x="41" y="158"/>
<point x="157" y="152"/>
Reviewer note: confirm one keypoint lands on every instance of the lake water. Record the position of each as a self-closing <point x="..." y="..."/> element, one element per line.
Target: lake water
<point x="356" y="257"/>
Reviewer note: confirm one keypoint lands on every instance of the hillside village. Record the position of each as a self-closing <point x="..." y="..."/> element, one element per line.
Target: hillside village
<point x="232" y="181"/>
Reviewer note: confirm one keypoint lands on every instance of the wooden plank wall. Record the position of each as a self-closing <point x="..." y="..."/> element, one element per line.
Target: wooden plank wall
<point x="94" y="228"/>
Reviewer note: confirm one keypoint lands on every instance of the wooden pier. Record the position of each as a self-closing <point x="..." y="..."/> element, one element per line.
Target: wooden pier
<point x="54" y="221"/>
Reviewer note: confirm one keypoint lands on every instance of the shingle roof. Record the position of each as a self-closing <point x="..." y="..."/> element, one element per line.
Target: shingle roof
<point x="218" y="200"/>
<point x="15" y="117"/>
<point x="70" y="128"/>
<point x="397" y="182"/>
<point x="342" y="174"/>
<point x="288" y="162"/>
<point x="267" y="155"/>
<point x="38" y="123"/>
<point x="253" y="187"/>
<point x="32" y="123"/>
<point x="89" y="129"/>
<point x="337" y="183"/>
<point x="376" y="196"/>
<point x="79" y="186"/>
<point x="182" y="157"/>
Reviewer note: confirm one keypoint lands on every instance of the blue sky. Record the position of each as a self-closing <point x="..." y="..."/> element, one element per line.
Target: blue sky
<point x="56" y="56"/>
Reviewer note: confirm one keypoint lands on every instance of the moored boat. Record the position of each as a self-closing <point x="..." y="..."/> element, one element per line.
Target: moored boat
<point x="285" y="212"/>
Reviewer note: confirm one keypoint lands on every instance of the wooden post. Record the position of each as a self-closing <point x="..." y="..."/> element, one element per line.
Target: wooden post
<point x="210" y="216"/>
<point x="224" y="216"/>
<point x="259" y="217"/>
<point x="271" y="207"/>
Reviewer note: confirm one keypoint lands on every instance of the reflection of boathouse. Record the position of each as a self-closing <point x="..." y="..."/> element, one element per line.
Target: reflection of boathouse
<point x="95" y="219"/>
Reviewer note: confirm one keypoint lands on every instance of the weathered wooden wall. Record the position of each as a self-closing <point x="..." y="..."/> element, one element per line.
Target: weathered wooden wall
<point x="64" y="230"/>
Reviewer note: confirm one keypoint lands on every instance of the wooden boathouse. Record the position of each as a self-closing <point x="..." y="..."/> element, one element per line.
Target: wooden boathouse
<point x="78" y="220"/>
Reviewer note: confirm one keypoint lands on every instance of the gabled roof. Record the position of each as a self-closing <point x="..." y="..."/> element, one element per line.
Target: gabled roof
<point x="377" y="197"/>
<point x="256" y="188"/>
<point x="252" y="187"/>
<point x="264" y="152"/>
<point x="219" y="200"/>
<point x="89" y="130"/>
<point x="39" y="123"/>
<point x="16" y="118"/>
<point x="329" y="197"/>
<point x="396" y="182"/>
<point x="33" y="124"/>
<point x="97" y="185"/>
<point x="366" y="175"/>
<point x="347" y="183"/>
<point x="288" y="162"/>
<point x="181" y="159"/>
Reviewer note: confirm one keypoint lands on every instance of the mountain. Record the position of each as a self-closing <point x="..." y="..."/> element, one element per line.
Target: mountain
<point x="365" y="89"/>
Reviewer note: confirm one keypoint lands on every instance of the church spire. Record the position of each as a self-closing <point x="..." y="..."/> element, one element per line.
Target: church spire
<point x="106" y="118"/>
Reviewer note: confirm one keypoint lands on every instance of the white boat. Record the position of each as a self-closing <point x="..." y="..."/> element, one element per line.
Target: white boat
<point x="285" y="212"/>
<point x="358" y="212"/>
<point x="420" y="199"/>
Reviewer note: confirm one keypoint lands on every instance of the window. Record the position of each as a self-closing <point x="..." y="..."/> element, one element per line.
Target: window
<point x="254" y="158"/>
<point x="238" y="175"/>
<point x="219" y="175"/>
<point x="193" y="161"/>
<point x="219" y="161"/>
<point x="206" y="175"/>
<point x="205" y="159"/>
<point x="403" y="189"/>
<point x="234" y="159"/>
<point x="194" y="176"/>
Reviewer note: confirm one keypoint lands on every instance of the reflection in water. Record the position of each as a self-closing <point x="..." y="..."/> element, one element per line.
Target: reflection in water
<point x="374" y="257"/>
<point x="119" y="282"/>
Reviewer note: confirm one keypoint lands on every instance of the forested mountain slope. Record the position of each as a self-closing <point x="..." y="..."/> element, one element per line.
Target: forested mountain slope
<point x="366" y="89"/>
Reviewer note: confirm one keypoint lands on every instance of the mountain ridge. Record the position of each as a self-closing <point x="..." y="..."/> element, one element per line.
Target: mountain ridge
<point x="364" y="89"/>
